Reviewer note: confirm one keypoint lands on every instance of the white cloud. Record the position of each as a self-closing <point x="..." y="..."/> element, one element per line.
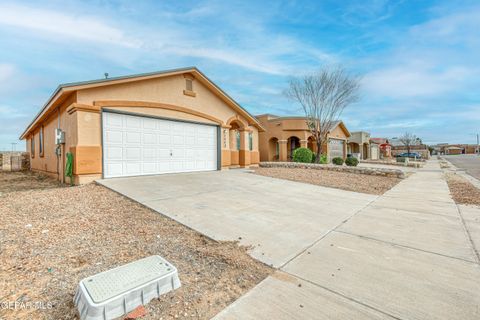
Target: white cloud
<point x="56" y="23"/>
<point x="414" y="80"/>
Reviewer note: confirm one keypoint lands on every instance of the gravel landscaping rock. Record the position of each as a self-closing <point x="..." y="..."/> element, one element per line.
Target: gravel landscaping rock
<point x="52" y="238"/>
<point x="463" y="192"/>
<point x="330" y="167"/>
<point x="333" y="179"/>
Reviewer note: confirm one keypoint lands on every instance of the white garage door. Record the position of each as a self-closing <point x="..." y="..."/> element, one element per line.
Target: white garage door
<point x="135" y="145"/>
<point x="335" y="148"/>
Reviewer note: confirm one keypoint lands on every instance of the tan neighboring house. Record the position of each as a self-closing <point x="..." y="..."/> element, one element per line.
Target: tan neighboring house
<point x="162" y="122"/>
<point x="359" y="145"/>
<point x="282" y="135"/>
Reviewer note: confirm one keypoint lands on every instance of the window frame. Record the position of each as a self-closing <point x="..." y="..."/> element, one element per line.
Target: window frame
<point x="32" y="146"/>
<point x="41" y="140"/>
<point x="250" y="141"/>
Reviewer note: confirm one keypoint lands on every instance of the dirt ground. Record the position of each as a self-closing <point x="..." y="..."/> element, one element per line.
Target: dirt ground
<point x="51" y="237"/>
<point x="333" y="179"/>
<point x="25" y="180"/>
<point x="463" y="192"/>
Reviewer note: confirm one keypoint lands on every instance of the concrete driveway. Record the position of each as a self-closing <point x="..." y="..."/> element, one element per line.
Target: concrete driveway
<point x="278" y="218"/>
<point x="408" y="254"/>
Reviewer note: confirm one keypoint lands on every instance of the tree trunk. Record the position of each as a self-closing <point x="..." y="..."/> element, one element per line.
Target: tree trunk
<point x="319" y="151"/>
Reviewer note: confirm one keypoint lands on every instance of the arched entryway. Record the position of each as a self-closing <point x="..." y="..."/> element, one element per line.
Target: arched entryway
<point x="292" y="144"/>
<point x="273" y="149"/>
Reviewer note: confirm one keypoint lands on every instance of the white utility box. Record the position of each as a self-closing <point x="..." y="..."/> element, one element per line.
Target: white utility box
<point x="116" y="292"/>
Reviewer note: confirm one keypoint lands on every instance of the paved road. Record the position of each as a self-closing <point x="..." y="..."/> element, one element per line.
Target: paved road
<point x="339" y="255"/>
<point x="469" y="162"/>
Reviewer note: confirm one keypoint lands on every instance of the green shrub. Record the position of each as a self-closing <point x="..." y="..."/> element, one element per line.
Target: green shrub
<point x="338" y="161"/>
<point x="351" y="162"/>
<point x="323" y="159"/>
<point x="303" y="155"/>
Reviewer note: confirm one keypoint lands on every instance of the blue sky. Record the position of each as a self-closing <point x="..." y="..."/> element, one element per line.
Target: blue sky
<point x="419" y="60"/>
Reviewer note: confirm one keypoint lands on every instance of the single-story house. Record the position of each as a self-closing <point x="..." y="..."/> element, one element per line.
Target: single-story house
<point x="282" y="135"/>
<point x="454" y="150"/>
<point x="161" y="122"/>
<point x="359" y="145"/>
<point x="384" y="147"/>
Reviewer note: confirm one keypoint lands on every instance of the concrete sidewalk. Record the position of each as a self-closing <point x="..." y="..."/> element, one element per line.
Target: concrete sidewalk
<point x="406" y="255"/>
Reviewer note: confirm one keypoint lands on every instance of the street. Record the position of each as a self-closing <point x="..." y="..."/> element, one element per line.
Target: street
<point x="468" y="162"/>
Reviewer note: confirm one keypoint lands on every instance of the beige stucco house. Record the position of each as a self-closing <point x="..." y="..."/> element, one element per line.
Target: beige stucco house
<point x="282" y="135"/>
<point x="161" y="122"/>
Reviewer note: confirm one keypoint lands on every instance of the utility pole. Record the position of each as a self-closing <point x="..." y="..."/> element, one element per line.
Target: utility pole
<point x="478" y="144"/>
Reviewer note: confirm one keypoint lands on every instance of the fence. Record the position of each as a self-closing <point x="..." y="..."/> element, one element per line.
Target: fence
<point x="14" y="161"/>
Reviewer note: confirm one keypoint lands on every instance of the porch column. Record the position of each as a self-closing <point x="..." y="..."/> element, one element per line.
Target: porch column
<point x="244" y="152"/>
<point x="225" y="142"/>
<point x="303" y="143"/>
<point x="282" y="145"/>
<point x="368" y="151"/>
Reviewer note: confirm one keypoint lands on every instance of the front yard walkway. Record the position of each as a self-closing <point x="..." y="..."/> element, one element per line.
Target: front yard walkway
<point x="406" y="255"/>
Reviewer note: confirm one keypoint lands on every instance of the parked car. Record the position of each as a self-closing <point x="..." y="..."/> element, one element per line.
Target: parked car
<point x="412" y="155"/>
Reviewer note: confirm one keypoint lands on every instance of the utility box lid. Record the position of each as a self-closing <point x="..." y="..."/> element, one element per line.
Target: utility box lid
<point x="115" y="292"/>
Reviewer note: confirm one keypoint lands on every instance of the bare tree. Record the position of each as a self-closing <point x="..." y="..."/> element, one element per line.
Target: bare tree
<point x="408" y="140"/>
<point x="323" y="96"/>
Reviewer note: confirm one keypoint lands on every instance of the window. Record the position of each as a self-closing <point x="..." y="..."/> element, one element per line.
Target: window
<point x="189" y="84"/>
<point x="32" y="146"/>
<point x="237" y="136"/>
<point x="40" y="142"/>
<point x="250" y="141"/>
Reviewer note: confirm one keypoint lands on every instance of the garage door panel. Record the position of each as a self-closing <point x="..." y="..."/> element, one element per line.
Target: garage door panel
<point x="114" y="169"/>
<point x="164" y="139"/>
<point x="133" y="137"/>
<point x="149" y="167"/>
<point x="113" y="136"/>
<point x="133" y="154"/>
<point x="114" y="120"/>
<point x="133" y="122"/>
<point x="114" y="153"/>
<point x="135" y="145"/>
<point x="133" y="168"/>
<point x="150" y="138"/>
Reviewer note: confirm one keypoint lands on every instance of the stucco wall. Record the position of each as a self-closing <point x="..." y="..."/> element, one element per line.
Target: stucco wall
<point x="49" y="163"/>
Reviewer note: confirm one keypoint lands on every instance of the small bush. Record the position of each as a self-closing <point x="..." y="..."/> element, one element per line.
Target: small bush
<point x="303" y="155"/>
<point x="323" y="159"/>
<point x="338" y="161"/>
<point x="351" y="162"/>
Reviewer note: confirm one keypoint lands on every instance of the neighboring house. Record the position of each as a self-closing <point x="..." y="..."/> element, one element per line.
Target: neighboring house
<point x="384" y="147"/>
<point x="153" y="123"/>
<point x="359" y="145"/>
<point x="446" y="148"/>
<point x="282" y="135"/>
<point x="453" y="150"/>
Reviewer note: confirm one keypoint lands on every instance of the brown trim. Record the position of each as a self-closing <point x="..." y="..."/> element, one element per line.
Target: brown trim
<point x="189" y="93"/>
<point x="236" y="118"/>
<point x="147" y="104"/>
<point x="74" y="107"/>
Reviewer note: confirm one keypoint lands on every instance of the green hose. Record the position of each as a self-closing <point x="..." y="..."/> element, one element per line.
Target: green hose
<point x="69" y="167"/>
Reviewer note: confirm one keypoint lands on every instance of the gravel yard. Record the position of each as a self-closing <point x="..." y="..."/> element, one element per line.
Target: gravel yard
<point x="463" y="192"/>
<point x="51" y="237"/>
<point x="333" y="179"/>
